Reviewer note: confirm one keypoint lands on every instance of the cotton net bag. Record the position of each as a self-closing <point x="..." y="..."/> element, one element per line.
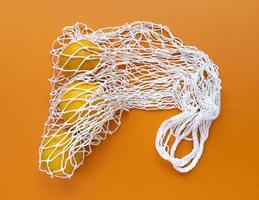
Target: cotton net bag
<point x="99" y="74"/>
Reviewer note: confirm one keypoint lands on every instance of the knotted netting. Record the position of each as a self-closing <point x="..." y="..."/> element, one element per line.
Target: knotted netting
<point x="99" y="74"/>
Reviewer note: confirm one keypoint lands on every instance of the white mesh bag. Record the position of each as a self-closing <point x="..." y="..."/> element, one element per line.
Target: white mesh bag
<point x="99" y="74"/>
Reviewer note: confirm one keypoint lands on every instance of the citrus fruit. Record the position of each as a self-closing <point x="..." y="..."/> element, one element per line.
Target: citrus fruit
<point x="57" y="156"/>
<point x="79" y="55"/>
<point x="75" y="100"/>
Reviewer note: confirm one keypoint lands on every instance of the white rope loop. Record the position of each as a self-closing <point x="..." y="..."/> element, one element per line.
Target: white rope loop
<point x="139" y="65"/>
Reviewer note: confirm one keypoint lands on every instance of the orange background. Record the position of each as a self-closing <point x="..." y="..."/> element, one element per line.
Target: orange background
<point x="126" y="165"/>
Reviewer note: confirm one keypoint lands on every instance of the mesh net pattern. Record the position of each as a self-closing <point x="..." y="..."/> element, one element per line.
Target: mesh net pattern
<point x="141" y="65"/>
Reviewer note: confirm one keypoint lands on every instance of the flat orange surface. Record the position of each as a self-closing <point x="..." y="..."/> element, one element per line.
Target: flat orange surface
<point x="126" y="165"/>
